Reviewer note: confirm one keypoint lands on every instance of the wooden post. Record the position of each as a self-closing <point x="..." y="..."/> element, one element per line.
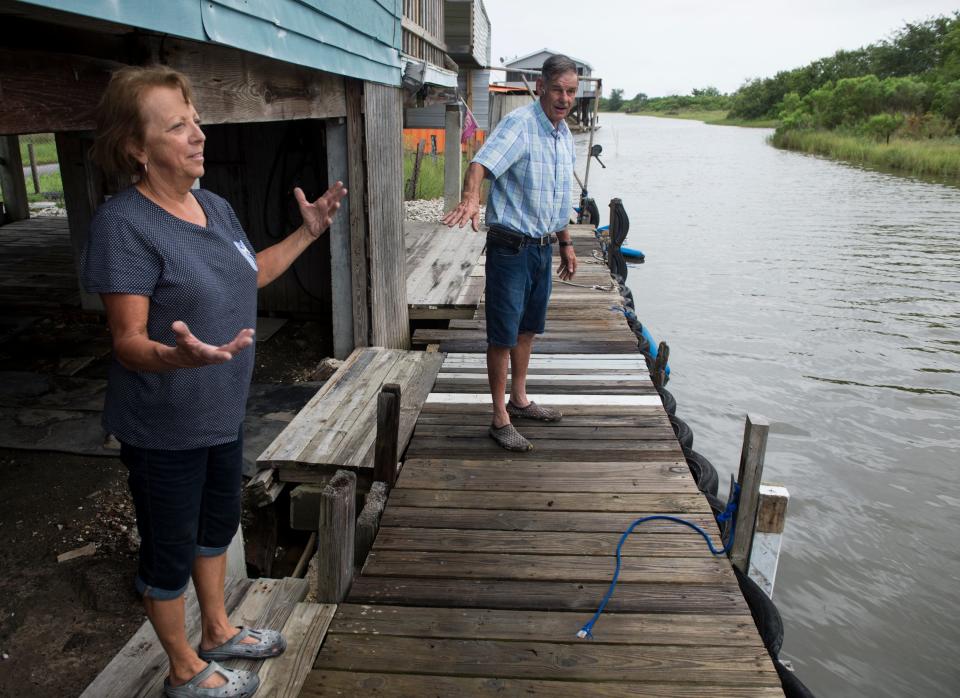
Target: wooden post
<point x="452" y="175"/>
<point x="368" y="523"/>
<point x="83" y="191"/>
<point x="755" y="433"/>
<point x="433" y="146"/>
<point x="359" y="268"/>
<point x="341" y="270"/>
<point x="771" y="520"/>
<point x="335" y="537"/>
<point x="388" y="434"/>
<point x="12" y="184"/>
<point x="411" y="192"/>
<point x="33" y="168"/>
<point x="236" y="557"/>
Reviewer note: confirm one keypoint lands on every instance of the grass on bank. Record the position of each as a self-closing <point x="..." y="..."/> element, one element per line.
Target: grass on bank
<point x="714" y="118"/>
<point x="938" y="157"/>
<point x="430" y="181"/>
<point x="44" y="149"/>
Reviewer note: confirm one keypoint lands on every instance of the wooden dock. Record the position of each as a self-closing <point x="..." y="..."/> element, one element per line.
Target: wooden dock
<point x="488" y="563"/>
<point x="442" y="281"/>
<point x="36" y="266"/>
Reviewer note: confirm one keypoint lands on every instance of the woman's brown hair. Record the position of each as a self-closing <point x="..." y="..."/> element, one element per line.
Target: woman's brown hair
<point x="119" y="120"/>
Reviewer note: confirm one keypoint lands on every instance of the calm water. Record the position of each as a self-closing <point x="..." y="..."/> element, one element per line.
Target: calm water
<point x="826" y="298"/>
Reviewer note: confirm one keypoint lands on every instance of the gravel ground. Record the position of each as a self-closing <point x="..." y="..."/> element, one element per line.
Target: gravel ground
<point x="431" y="210"/>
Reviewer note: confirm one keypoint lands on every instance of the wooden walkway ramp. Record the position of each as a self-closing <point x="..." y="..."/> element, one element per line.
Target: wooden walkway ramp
<point x="441" y="279"/>
<point x="488" y="563"/>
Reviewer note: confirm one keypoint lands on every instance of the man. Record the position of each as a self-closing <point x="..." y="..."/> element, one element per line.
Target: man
<point x="530" y="158"/>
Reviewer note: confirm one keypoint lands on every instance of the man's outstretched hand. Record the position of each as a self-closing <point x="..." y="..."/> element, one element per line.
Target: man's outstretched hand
<point x="190" y="352"/>
<point x="465" y="211"/>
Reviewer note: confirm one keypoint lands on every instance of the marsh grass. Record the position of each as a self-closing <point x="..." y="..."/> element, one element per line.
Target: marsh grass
<point x="938" y="157"/>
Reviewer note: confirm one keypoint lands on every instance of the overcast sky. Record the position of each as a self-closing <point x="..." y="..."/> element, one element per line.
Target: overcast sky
<point x="663" y="47"/>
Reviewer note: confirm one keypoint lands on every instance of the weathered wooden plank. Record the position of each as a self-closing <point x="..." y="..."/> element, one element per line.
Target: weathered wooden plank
<point x="578" y="661"/>
<point x="640" y="543"/>
<point x="330" y="682"/>
<point x="359" y="269"/>
<point x="598" y="410"/>
<point x="561" y="399"/>
<point x="545" y="626"/>
<point x="337" y="427"/>
<point x="283" y="676"/>
<point x="383" y="119"/>
<point x="341" y="277"/>
<point x="45" y="91"/>
<point x="428" y="420"/>
<point x="139" y="668"/>
<point x="630" y="502"/>
<point x="554" y="568"/>
<point x="439" y="263"/>
<point x="505" y="520"/>
<point x="548" y="596"/>
<point x="267" y="604"/>
<point x="548" y="448"/>
<point x="558" y="431"/>
<point x="520" y="475"/>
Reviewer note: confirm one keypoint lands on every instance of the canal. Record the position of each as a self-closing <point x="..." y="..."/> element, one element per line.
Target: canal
<point x="827" y="298"/>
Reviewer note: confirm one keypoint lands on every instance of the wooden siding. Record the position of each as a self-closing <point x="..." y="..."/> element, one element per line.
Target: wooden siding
<point x="390" y="326"/>
<point x="356" y="38"/>
<point x="423" y="34"/>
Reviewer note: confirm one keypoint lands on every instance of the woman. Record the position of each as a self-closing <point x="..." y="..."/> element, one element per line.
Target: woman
<point x="179" y="283"/>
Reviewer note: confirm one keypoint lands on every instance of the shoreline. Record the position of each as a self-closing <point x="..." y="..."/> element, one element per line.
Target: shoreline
<point x="937" y="159"/>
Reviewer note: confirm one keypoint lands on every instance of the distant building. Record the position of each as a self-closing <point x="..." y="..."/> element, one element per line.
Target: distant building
<point x="586" y="93"/>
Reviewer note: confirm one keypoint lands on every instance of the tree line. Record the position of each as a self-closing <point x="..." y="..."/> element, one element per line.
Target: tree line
<point x="908" y="83"/>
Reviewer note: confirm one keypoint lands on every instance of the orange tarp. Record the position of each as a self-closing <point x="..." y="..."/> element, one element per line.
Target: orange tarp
<point x="412" y="136"/>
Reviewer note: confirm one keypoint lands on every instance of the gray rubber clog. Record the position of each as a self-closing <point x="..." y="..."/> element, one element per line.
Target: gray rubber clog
<point x="240" y="684"/>
<point x="534" y="411"/>
<point x="269" y="643"/>
<point x="509" y="438"/>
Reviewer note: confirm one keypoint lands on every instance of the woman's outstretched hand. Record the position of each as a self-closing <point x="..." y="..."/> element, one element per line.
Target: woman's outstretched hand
<point x="318" y="215"/>
<point x="191" y="352"/>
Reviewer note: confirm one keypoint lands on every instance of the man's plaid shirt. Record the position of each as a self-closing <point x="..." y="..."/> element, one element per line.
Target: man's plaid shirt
<point x="532" y="167"/>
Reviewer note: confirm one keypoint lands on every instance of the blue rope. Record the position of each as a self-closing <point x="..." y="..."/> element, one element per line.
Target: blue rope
<point x="725" y="515"/>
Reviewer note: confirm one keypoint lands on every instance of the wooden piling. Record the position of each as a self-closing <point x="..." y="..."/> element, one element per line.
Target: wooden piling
<point x="368" y="523"/>
<point x="755" y="433"/>
<point x="12" y="184"/>
<point x="411" y="192"/>
<point x="768" y="536"/>
<point x="452" y="175"/>
<point x="388" y="434"/>
<point x="33" y="168"/>
<point x="335" y="538"/>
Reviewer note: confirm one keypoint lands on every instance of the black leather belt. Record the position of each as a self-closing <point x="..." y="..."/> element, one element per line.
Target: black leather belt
<point x="509" y="238"/>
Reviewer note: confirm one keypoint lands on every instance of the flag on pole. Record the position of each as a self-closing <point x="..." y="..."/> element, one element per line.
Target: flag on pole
<point x="469" y="124"/>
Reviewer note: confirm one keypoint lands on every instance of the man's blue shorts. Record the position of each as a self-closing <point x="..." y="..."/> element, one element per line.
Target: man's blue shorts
<point x="517" y="291"/>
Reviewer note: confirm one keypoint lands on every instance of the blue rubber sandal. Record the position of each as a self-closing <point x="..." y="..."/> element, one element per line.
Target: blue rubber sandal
<point x="240" y="684"/>
<point x="269" y="643"/>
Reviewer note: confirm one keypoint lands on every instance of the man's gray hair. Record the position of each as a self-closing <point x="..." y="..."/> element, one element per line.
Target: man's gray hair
<point x="555" y="66"/>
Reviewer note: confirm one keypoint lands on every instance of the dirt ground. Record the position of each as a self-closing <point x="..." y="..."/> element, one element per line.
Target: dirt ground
<point x="61" y="622"/>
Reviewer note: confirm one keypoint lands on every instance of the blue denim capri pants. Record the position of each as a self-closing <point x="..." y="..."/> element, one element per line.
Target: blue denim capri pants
<point x="518" y="285"/>
<point x="187" y="504"/>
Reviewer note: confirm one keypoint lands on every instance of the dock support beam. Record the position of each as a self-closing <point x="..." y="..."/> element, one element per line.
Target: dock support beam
<point x="768" y="537"/>
<point x="752" y="454"/>
<point x="452" y="175"/>
<point x="12" y="184"/>
<point x="388" y="434"/>
<point x="335" y="538"/>
<point x="341" y="265"/>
